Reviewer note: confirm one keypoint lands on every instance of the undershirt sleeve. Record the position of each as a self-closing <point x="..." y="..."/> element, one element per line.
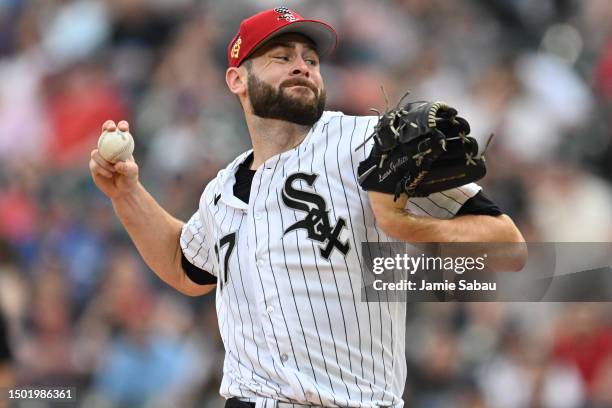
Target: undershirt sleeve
<point x="197" y="258"/>
<point x="480" y="204"/>
<point x="197" y="275"/>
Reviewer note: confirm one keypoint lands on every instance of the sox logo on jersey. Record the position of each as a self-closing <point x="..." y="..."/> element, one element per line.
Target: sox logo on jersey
<point x="316" y="222"/>
<point x="293" y="323"/>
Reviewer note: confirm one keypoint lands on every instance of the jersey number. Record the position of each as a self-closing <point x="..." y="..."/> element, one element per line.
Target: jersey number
<point x="229" y="239"/>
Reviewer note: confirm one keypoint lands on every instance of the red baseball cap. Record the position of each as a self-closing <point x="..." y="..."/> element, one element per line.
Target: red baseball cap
<point x="263" y="26"/>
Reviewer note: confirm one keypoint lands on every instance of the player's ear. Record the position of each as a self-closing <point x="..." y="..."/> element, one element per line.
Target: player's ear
<point x="236" y="79"/>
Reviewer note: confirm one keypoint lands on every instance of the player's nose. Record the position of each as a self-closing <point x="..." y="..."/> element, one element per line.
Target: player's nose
<point x="300" y="67"/>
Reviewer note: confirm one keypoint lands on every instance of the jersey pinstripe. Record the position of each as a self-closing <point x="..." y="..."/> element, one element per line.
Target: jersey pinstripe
<point x="288" y="265"/>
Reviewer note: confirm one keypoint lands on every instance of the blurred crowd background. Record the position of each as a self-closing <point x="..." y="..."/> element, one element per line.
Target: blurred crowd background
<point x="80" y="308"/>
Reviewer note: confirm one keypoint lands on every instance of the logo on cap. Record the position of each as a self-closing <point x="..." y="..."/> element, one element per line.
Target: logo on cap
<point x="285" y="14"/>
<point x="236" y="48"/>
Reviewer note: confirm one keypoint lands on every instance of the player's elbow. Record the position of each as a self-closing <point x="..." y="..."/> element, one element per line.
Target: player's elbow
<point x="518" y="252"/>
<point x="519" y="260"/>
<point x="516" y="257"/>
<point x="521" y="253"/>
<point x="511" y="231"/>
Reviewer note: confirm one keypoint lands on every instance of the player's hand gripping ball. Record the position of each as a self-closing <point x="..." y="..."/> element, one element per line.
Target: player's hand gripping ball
<point x="116" y="146"/>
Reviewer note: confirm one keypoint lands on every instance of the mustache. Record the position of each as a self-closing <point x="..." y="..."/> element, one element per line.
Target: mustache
<point x="301" y="82"/>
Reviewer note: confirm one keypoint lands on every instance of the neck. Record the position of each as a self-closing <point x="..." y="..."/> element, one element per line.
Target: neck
<point x="272" y="136"/>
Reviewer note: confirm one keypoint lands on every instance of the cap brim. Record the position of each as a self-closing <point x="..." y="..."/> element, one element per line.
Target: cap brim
<point x="323" y="35"/>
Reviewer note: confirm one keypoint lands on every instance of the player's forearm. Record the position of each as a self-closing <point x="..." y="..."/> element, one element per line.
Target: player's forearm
<point x="393" y="218"/>
<point x="156" y="235"/>
<point x="468" y="228"/>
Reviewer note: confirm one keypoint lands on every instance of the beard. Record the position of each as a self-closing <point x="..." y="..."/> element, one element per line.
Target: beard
<point x="271" y="103"/>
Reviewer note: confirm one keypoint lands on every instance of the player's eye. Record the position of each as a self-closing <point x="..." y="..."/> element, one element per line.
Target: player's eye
<point x="281" y="57"/>
<point x="312" y="61"/>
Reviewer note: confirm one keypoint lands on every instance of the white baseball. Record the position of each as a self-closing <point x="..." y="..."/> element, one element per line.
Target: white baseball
<point x="116" y="146"/>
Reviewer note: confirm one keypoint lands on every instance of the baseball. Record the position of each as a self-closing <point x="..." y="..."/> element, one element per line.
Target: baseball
<point x="116" y="146"/>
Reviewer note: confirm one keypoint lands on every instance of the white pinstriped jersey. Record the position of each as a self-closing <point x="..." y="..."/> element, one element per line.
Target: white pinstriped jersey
<point x="288" y="265"/>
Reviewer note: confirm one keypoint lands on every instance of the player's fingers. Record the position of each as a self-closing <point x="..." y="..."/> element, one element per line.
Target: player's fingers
<point x="97" y="157"/>
<point x="109" y="126"/>
<point x="97" y="170"/>
<point x="127" y="168"/>
<point x="123" y="126"/>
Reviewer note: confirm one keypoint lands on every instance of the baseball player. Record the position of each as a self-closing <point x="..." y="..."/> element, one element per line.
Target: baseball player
<point x="278" y="232"/>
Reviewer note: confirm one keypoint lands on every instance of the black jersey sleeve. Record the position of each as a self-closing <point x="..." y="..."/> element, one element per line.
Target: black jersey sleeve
<point x="197" y="275"/>
<point x="480" y="204"/>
